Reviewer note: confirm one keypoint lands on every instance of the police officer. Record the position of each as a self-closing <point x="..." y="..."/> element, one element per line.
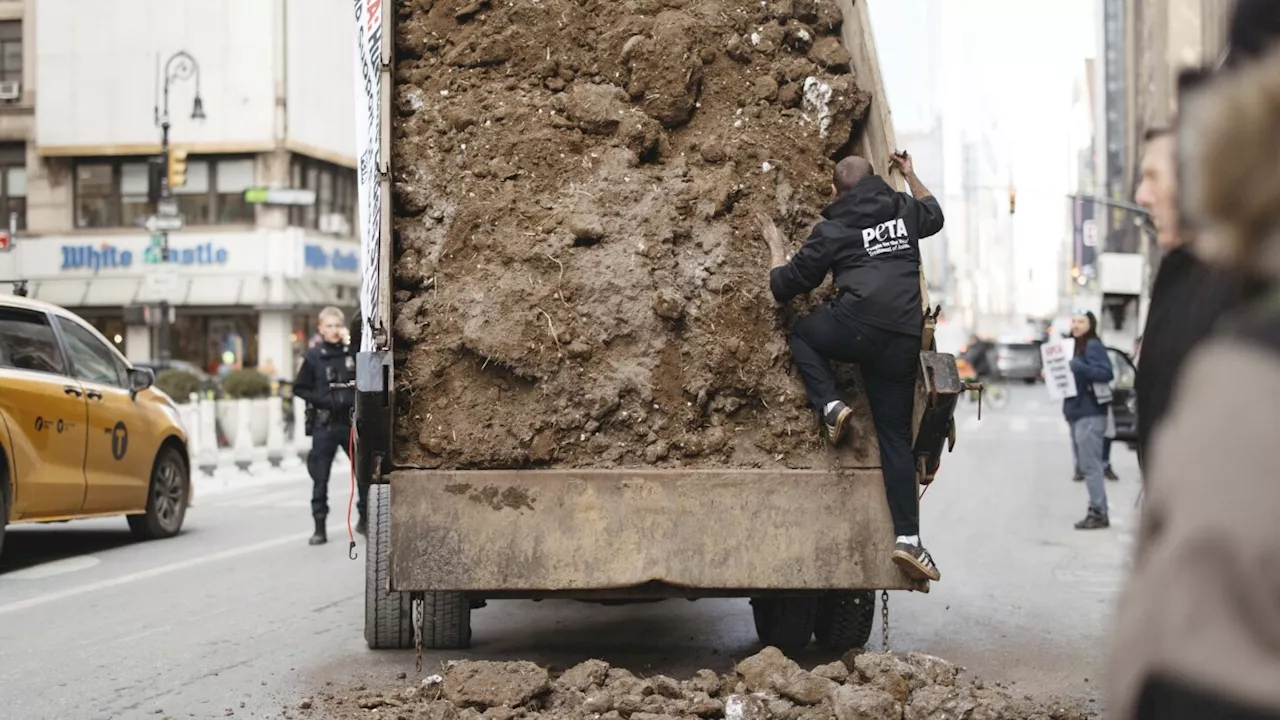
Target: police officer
<point x="326" y="369"/>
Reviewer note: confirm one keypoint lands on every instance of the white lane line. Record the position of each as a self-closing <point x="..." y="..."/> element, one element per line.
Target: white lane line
<point x="971" y="424"/>
<point x="1019" y="425"/>
<point x="55" y="568"/>
<point x="155" y="572"/>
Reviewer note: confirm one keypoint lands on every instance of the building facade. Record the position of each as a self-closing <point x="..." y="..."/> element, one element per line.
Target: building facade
<point x="249" y="268"/>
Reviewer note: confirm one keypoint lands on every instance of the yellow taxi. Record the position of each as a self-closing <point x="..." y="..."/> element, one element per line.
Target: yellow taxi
<point x="82" y="432"/>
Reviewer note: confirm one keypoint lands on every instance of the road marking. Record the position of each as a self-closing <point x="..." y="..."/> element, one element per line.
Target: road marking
<point x="156" y="572"/>
<point x="1019" y="424"/>
<point x="52" y="569"/>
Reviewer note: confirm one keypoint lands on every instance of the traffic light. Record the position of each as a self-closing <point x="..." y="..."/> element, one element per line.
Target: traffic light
<point x="1013" y="199"/>
<point x="177" y="168"/>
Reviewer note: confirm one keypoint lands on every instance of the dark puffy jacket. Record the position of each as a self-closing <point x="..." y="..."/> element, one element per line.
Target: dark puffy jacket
<point x="1187" y="300"/>
<point x="1093" y="367"/>
<point x="323" y="365"/>
<point x="869" y="240"/>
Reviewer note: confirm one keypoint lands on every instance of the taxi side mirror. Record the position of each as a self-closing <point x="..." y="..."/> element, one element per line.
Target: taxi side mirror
<point x="140" y="379"/>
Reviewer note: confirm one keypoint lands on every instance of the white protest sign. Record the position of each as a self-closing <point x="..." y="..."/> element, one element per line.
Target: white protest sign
<point x="1058" y="378"/>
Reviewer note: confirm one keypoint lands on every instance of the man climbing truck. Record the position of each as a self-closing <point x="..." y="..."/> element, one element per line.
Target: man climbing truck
<point x="572" y="383"/>
<point x="869" y="241"/>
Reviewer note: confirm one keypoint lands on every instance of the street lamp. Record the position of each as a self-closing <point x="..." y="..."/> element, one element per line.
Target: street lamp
<point x="181" y="66"/>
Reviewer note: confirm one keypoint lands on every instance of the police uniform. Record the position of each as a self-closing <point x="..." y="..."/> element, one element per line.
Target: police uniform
<point x="324" y="368"/>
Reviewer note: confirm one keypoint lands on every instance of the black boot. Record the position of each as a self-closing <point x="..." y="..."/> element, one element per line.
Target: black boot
<point x="320" y="537"/>
<point x="1094" y="520"/>
<point x="362" y="527"/>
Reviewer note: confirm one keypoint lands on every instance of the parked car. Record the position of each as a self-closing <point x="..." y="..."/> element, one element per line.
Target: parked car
<point x="1124" y="399"/>
<point x="82" y="431"/>
<point x="1017" y="359"/>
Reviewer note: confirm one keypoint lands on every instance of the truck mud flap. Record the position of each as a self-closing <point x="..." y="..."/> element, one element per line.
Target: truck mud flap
<point x="939" y="392"/>
<point x="635" y="533"/>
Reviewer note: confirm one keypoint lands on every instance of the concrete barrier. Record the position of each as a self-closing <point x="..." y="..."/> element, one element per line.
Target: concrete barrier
<point x="255" y="431"/>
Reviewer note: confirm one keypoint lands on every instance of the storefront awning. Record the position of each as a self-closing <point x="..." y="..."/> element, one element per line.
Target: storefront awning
<point x="212" y="291"/>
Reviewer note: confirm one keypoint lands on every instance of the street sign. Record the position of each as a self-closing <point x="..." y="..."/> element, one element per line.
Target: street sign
<point x="167" y="207"/>
<point x="162" y="223"/>
<point x="280" y="196"/>
<point x="160" y="283"/>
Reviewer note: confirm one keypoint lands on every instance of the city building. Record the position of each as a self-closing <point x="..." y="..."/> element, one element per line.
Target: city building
<point x="1143" y="46"/>
<point x="259" y="100"/>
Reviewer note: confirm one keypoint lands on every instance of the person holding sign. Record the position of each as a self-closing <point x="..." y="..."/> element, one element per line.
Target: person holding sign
<point x="1086" y="412"/>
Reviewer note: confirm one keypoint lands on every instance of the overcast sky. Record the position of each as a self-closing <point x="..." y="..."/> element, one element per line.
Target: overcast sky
<point x="1007" y="64"/>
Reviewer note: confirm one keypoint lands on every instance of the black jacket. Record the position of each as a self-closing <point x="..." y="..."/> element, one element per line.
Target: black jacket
<point x="1187" y="300"/>
<point x="323" y="365"/>
<point x="869" y="240"/>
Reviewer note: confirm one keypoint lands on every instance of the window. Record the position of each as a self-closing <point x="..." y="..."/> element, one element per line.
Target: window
<point x="335" y="188"/>
<point x="27" y="342"/>
<point x="134" y="204"/>
<point x="234" y="177"/>
<point x="195" y="202"/>
<point x="11" y="51"/>
<point x="91" y="360"/>
<point x="13" y="184"/>
<point x="1123" y="371"/>
<point x="113" y="193"/>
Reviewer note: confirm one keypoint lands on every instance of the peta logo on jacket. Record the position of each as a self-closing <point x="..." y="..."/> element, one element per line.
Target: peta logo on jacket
<point x="886" y="237"/>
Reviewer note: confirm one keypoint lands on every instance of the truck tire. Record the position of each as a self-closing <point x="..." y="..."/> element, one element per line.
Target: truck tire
<point x="845" y="619"/>
<point x="388" y="616"/>
<point x="446" y="621"/>
<point x="785" y="622"/>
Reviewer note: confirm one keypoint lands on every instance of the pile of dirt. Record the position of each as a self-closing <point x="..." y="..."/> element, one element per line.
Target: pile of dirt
<point x="767" y="686"/>
<point x="580" y="281"/>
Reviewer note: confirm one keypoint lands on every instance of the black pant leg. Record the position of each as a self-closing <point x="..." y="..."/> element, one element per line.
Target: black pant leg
<point x="890" y="378"/>
<point x="816" y="339"/>
<point x="324" y="446"/>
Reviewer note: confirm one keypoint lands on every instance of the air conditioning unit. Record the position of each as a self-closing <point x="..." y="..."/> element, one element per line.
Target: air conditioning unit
<point x="10" y="90"/>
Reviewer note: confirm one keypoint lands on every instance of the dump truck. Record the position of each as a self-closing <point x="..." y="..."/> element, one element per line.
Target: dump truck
<point x="572" y="381"/>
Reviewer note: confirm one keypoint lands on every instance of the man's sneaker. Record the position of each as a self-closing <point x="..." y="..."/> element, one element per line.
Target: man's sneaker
<point x="836" y="422"/>
<point x="1094" y="521"/>
<point x="916" y="561"/>
<point x="1111" y="474"/>
<point x="1078" y="477"/>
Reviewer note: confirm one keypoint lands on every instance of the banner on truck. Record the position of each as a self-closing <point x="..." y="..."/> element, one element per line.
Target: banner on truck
<point x="1058" y="378"/>
<point x="368" y="16"/>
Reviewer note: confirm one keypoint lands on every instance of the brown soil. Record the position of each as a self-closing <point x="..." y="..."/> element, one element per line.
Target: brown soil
<point x="766" y="686"/>
<point x="579" y="277"/>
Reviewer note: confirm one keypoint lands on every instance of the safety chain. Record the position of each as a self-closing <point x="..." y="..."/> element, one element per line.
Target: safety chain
<point x="418" y="613"/>
<point x="884" y="621"/>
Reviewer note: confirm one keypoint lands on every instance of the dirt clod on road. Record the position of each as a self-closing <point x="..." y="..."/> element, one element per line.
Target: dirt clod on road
<point x="579" y="280"/>
<point x="766" y="686"/>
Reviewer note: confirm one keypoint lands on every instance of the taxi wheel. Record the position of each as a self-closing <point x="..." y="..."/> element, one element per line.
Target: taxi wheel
<point x="166" y="498"/>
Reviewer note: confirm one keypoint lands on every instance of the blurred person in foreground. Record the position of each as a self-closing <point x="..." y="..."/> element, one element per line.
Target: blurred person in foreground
<point x="331" y="362"/>
<point x="1198" y="630"/>
<point x="1087" y="416"/>
<point x="1188" y="296"/>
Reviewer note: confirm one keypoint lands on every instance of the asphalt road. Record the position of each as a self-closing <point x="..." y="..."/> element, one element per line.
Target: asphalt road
<point x="239" y="617"/>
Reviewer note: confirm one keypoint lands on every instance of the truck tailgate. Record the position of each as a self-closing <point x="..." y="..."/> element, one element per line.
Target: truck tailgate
<point x="530" y="533"/>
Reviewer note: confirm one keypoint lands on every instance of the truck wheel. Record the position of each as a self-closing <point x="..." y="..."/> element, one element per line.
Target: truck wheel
<point x="446" y="621"/>
<point x="167" y="498"/>
<point x="388" y="616"/>
<point x="845" y="619"/>
<point x="785" y="622"/>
